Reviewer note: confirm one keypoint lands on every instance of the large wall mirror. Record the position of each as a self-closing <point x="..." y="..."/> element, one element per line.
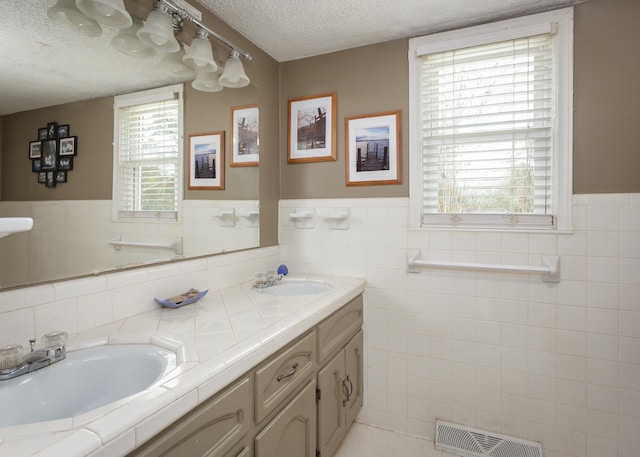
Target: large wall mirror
<point x="51" y="75"/>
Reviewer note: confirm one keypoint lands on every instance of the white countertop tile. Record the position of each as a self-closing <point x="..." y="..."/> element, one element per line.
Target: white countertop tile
<point x="217" y="339"/>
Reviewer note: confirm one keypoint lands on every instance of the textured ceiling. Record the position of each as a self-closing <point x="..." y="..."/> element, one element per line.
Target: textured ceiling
<point x="43" y="65"/>
<point x="293" y="29"/>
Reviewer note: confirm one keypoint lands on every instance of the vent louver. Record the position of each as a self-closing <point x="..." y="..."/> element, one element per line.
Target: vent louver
<point x="472" y="442"/>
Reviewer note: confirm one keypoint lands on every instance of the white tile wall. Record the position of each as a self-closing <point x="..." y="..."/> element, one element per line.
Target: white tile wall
<point x="70" y="238"/>
<point x="558" y="363"/>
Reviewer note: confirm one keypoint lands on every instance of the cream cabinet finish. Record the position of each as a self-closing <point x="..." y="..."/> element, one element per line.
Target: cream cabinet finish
<point x="284" y="407"/>
<point x="292" y="433"/>
<point x="338" y="328"/>
<point x="220" y="427"/>
<point x="340" y="384"/>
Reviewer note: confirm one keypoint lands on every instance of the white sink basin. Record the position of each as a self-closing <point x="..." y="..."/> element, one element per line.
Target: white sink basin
<point x="291" y="287"/>
<point x="9" y="225"/>
<point x="87" y="379"/>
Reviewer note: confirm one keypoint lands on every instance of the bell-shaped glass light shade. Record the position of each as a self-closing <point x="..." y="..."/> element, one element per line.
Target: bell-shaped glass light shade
<point x="200" y="55"/>
<point x="174" y="64"/>
<point x="233" y="75"/>
<point x="207" y="81"/>
<point x="106" y="12"/>
<point x="157" y="33"/>
<point x="65" y="14"/>
<point x="127" y="42"/>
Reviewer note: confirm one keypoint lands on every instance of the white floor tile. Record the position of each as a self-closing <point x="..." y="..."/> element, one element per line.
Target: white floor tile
<point x="368" y="441"/>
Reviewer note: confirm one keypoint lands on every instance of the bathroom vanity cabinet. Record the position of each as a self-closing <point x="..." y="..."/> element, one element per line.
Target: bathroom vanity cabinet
<point x="299" y="402"/>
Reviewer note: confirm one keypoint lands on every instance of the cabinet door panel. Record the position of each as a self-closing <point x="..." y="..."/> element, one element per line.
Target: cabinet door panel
<point x="244" y="451"/>
<point x="335" y="331"/>
<point x="213" y="429"/>
<point x="282" y="375"/>
<point x="331" y="411"/>
<point x="354" y="378"/>
<point x="292" y="433"/>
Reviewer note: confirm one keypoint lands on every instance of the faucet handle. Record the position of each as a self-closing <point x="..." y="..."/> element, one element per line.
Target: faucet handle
<point x="32" y="343"/>
<point x="54" y="339"/>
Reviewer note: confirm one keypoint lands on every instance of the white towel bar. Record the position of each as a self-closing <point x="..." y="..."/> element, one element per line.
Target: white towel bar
<point x="550" y="272"/>
<point x="117" y="243"/>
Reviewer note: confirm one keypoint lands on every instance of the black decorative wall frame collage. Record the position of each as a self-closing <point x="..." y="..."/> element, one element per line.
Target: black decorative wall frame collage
<point x="52" y="153"/>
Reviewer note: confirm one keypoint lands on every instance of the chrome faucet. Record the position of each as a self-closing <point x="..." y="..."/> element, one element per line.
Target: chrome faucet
<point x="15" y="362"/>
<point x="267" y="280"/>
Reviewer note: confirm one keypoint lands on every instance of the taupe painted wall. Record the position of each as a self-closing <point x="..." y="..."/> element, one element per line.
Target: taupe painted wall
<point x="91" y="121"/>
<point x="375" y="78"/>
<point x="607" y="97"/>
<point x="367" y="80"/>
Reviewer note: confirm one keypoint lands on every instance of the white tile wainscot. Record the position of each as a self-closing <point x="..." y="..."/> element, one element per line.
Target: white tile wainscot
<point x="217" y="339"/>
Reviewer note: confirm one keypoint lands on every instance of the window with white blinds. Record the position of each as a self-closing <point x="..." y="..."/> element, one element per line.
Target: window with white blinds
<point x="487" y="108"/>
<point x="148" y="154"/>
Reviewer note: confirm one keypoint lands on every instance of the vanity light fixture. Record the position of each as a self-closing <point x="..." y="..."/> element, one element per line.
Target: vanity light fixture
<point x="107" y="12"/>
<point x="175" y="64"/>
<point x="127" y="42"/>
<point x="157" y="32"/>
<point x="200" y="54"/>
<point x="233" y="75"/>
<point x="207" y="81"/>
<point x="157" y="36"/>
<point x="67" y="15"/>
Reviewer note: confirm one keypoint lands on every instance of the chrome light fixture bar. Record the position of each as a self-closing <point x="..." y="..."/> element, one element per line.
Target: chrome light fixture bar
<point x="184" y="16"/>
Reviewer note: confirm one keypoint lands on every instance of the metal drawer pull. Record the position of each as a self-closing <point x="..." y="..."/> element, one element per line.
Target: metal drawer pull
<point x="348" y="390"/>
<point x="294" y="368"/>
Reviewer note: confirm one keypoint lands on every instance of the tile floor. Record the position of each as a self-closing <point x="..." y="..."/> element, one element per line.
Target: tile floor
<point x="368" y="441"/>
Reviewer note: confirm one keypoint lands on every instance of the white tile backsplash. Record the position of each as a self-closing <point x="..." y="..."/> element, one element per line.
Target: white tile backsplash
<point x="80" y="304"/>
<point x="555" y="362"/>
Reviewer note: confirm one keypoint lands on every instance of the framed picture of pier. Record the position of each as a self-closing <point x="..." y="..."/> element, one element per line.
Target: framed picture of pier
<point x="244" y="136"/>
<point x="206" y="161"/>
<point x="312" y="129"/>
<point x="373" y="149"/>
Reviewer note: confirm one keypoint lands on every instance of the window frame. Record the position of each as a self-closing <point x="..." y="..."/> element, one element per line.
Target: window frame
<point x="140" y="98"/>
<point x="561" y="22"/>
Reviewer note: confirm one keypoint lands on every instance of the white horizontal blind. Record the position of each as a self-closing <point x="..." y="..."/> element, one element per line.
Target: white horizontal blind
<point x="148" y="160"/>
<point x="487" y="117"/>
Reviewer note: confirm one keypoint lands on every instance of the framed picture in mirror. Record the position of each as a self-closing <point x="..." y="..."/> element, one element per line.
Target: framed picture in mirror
<point x="52" y="130"/>
<point x="61" y="176"/>
<point x="35" y="149"/>
<point x="50" y="179"/>
<point x="244" y="136"/>
<point x="69" y="146"/>
<point x="63" y="131"/>
<point x="65" y="163"/>
<point x="49" y="154"/>
<point x="206" y="161"/>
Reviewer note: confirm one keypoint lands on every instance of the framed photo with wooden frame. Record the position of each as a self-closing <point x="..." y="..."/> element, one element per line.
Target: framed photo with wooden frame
<point x="244" y="136"/>
<point x="206" y="161"/>
<point x="373" y="149"/>
<point x="312" y="129"/>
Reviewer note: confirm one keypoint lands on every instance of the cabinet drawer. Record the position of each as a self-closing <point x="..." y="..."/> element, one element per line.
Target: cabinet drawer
<point x="336" y="330"/>
<point x="283" y="374"/>
<point x="220" y="427"/>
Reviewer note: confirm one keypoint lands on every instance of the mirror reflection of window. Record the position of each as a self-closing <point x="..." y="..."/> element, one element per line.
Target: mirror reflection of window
<point x="148" y="154"/>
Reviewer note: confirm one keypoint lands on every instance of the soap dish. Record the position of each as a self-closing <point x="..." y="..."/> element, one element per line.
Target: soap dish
<point x="190" y="296"/>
